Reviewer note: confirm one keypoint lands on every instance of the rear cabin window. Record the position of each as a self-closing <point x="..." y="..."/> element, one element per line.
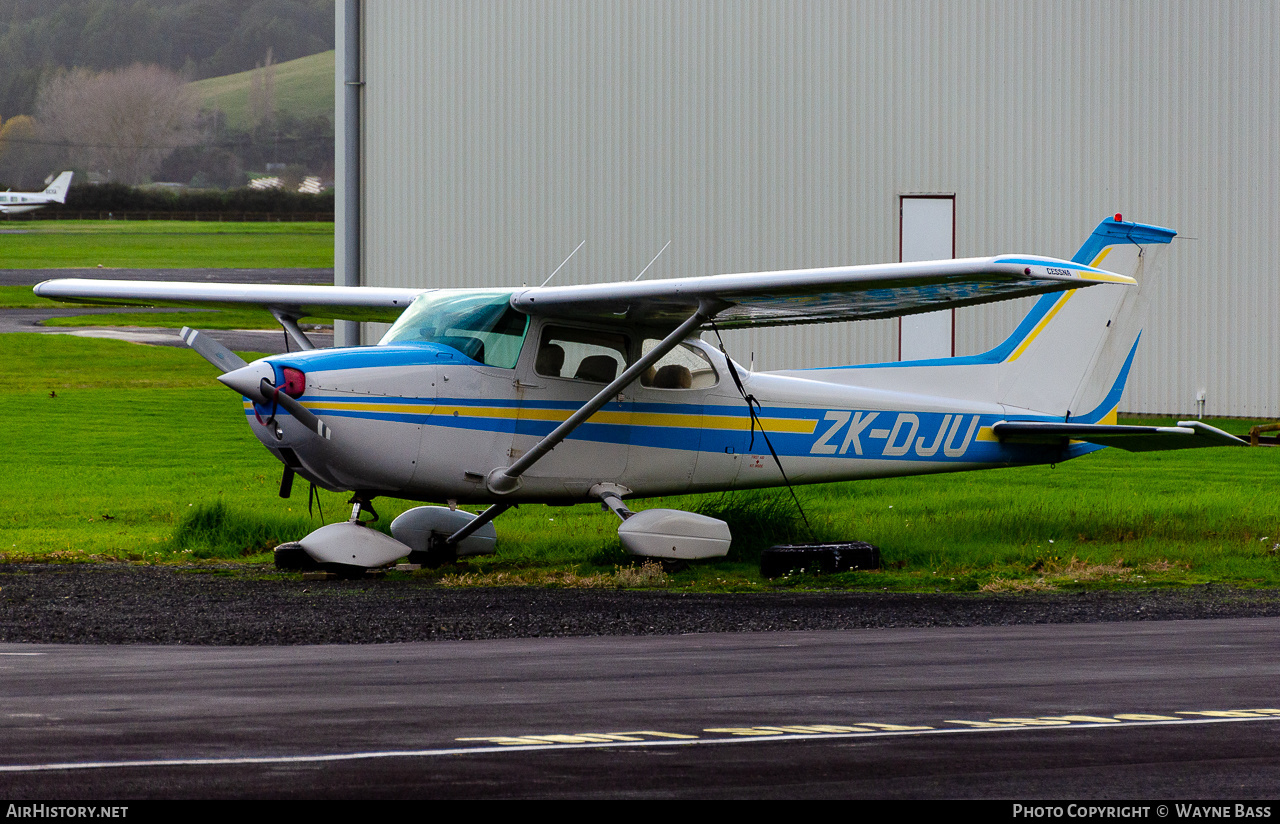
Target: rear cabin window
<point x="682" y="368"/>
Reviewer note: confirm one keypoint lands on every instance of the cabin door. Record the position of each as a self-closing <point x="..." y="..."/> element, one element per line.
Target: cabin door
<point x="567" y="368"/>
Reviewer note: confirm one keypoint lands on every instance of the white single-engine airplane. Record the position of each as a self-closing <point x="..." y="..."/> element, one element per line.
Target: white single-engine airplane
<point x="599" y="392"/>
<point x="13" y="202"/>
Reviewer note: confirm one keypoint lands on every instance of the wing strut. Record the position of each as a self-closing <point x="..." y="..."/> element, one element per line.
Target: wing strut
<point x="291" y="328"/>
<point x="504" y="480"/>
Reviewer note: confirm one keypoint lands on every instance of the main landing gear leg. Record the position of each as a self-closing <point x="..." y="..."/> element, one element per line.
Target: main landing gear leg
<point x="361" y="502"/>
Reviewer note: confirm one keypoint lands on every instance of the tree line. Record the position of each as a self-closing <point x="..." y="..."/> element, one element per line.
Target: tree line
<point x="193" y="38"/>
<point x="143" y="123"/>
<point x="83" y="107"/>
<point x="118" y="199"/>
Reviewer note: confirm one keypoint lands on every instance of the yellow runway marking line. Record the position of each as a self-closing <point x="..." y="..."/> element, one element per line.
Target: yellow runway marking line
<point x="659" y="738"/>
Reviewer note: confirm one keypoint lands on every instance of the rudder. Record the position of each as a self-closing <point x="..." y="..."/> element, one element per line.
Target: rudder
<point x="57" y="190"/>
<point x="1070" y="356"/>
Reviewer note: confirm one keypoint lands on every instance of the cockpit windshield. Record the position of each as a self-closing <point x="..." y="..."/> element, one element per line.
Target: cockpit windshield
<point x="480" y="325"/>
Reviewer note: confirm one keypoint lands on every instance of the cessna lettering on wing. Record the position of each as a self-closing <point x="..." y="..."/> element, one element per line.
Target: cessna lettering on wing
<point x="908" y="435"/>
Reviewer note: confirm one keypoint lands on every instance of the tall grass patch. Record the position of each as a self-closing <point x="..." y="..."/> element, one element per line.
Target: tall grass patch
<point x="1209" y="515"/>
<point x="212" y="530"/>
<point x="757" y="519"/>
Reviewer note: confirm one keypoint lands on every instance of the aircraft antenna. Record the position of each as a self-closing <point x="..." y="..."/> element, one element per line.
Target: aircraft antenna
<point x="655" y="257"/>
<point x="561" y="266"/>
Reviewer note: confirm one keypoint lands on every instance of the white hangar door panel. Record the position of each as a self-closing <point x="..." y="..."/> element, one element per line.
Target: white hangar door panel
<point x="927" y="233"/>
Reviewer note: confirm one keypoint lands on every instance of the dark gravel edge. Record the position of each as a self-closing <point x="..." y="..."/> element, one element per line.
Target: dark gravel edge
<point x="122" y="604"/>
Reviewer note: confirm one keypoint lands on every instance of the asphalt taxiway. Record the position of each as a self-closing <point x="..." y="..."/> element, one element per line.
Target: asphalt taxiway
<point x="1144" y="710"/>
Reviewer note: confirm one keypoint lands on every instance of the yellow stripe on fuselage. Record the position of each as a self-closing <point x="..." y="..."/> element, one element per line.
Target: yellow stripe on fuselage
<point x="799" y="426"/>
<point x="671" y="419"/>
<point x="803" y="426"/>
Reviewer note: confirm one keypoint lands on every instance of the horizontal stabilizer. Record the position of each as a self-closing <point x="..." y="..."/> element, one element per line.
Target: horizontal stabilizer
<point x="1186" y="435"/>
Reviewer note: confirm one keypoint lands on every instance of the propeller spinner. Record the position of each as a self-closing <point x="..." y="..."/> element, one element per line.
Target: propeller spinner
<point x="257" y="382"/>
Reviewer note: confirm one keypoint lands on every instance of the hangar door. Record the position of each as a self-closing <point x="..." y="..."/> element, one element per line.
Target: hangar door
<point x="927" y="231"/>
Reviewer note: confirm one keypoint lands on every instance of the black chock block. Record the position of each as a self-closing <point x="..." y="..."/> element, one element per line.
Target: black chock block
<point x="819" y="558"/>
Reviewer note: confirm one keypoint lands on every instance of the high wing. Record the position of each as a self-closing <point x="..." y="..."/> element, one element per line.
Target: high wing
<point x="841" y="293"/>
<point x="383" y="304"/>
<point x="1186" y="435"/>
<point x="754" y="299"/>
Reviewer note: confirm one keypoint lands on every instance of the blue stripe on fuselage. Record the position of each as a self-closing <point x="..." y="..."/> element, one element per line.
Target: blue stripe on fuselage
<point x="838" y="433"/>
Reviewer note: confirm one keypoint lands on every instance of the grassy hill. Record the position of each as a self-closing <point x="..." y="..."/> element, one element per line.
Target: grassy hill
<point x="304" y="88"/>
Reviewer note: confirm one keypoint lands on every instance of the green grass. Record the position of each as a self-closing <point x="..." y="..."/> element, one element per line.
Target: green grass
<point x="161" y="244"/>
<point x="21" y="297"/>
<point x="303" y="88"/>
<point x="123" y="452"/>
<point x="110" y="443"/>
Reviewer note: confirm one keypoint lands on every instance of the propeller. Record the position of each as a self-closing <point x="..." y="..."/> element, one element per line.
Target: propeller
<point x="211" y="350"/>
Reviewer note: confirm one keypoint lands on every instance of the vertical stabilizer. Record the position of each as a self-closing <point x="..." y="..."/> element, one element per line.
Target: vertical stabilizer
<point x="57" y="190"/>
<point x="1070" y="356"/>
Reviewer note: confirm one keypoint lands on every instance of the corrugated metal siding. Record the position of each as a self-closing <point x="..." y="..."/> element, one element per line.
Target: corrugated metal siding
<point x="758" y="135"/>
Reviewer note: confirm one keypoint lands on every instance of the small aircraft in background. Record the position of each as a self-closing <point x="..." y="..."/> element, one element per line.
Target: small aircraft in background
<point x="56" y="192"/>
<point x="606" y="391"/>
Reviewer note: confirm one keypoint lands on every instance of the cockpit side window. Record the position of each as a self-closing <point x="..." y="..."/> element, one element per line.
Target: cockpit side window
<point x="581" y="354"/>
<point x="480" y="325"/>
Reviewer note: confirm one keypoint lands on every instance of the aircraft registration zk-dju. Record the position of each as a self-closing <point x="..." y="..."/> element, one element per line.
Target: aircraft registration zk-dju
<point x="607" y="391"/>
